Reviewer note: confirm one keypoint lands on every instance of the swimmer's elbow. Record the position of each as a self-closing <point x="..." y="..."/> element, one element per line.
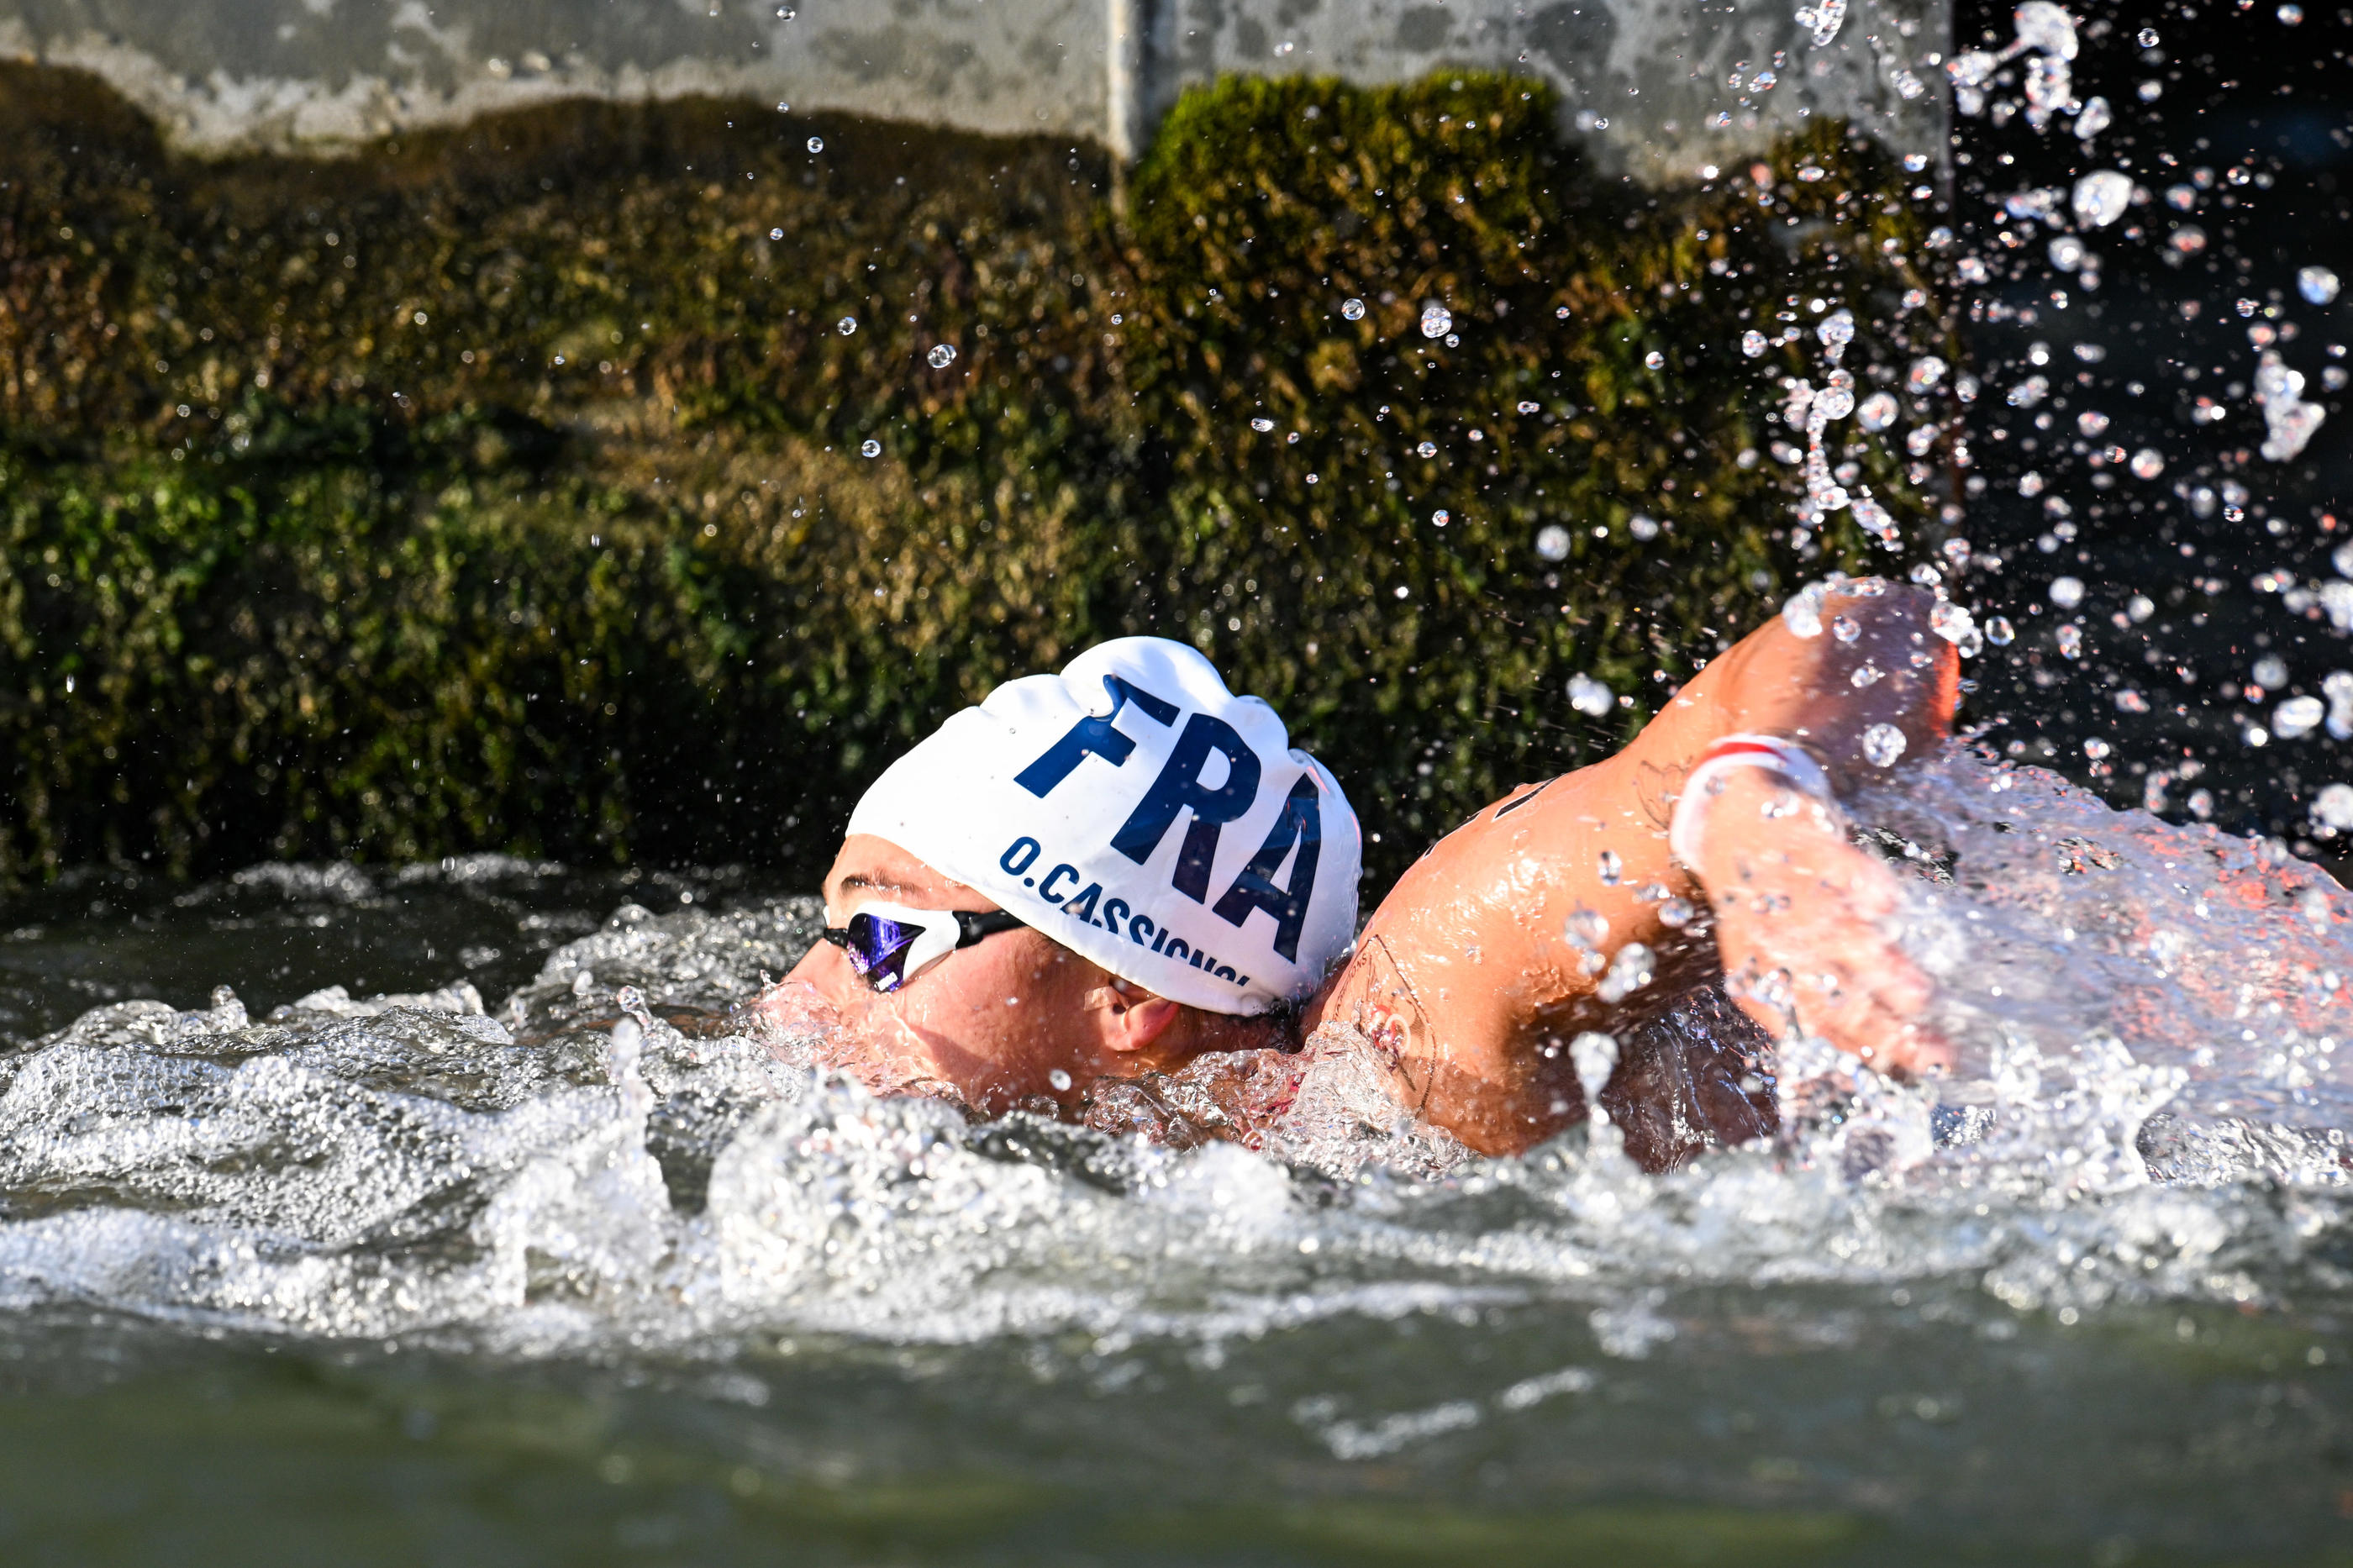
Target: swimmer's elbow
<point x="1877" y="661"/>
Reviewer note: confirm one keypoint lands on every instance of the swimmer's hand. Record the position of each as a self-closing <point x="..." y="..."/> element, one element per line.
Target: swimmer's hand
<point x="1800" y="923"/>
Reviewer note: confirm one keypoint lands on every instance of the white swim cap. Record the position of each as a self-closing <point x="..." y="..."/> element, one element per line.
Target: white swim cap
<point x="1137" y="812"/>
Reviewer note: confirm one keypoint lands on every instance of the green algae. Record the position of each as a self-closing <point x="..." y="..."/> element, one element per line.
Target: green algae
<point x="505" y="486"/>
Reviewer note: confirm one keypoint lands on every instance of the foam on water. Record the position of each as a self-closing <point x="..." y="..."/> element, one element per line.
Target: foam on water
<point x="2154" y="1106"/>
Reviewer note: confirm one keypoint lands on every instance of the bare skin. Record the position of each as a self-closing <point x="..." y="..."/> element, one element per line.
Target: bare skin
<point x="1463" y="980"/>
<point x="991" y="1024"/>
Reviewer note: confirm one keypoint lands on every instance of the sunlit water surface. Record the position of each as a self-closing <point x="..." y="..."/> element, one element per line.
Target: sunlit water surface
<point x="592" y="1274"/>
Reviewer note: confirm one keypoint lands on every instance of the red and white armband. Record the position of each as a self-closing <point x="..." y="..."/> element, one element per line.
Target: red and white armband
<point x="1770" y="753"/>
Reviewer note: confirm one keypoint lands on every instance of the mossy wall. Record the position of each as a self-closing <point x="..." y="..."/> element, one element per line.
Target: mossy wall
<point x="507" y="487"/>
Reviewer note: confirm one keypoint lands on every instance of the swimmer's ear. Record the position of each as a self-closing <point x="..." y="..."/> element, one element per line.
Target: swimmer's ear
<point x="1129" y="1017"/>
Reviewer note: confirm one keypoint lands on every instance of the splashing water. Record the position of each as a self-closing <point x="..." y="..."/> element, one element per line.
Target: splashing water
<point x="2047" y="34"/>
<point x="2288" y="420"/>
<point x="2101" y="198"/>
<point x="1823" y="20"/>
<point x="2151" y="1017"/>
<point x="2058" y="200"/>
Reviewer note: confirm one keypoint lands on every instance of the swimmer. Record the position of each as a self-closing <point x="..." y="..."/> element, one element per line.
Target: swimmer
<point x="1125" y="870"/>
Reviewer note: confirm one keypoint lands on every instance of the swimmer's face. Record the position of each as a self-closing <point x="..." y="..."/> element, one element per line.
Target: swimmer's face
<point x="992" y="1022"/>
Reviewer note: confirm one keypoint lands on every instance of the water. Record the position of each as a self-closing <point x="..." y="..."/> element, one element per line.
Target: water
<point x="2158" y="387"/>
<point x="533" y="1254"/>
<point x="593" y="1275"/>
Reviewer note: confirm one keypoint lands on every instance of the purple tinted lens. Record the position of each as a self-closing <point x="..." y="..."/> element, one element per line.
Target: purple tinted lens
<point x="878" y="950"/>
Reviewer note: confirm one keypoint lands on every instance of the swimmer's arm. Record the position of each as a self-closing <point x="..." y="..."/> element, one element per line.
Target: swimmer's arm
<point x="1464" y="986"/>
<point x="1798" y="908"/>
<point x="1465" y="982"/>
<point x="1803" y="688"/>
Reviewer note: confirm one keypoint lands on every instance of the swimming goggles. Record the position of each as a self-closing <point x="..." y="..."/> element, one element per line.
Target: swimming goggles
<point x="890" y="944"/>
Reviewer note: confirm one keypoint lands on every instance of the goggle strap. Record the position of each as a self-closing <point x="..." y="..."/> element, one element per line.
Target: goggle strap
<point x="971" y="928"/>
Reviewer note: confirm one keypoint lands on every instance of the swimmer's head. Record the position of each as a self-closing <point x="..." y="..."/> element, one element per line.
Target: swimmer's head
<point x="1174" y="864"/>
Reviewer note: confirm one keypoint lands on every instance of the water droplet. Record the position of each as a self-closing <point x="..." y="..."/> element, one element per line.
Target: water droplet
<point x="2316" y="284"/>
<point x="1951" y="622"/>
<point x="2067" y="253"/>
<point x="1586" y="929"/>
<point x="776" y="233"/>
<point x="2334" y="807"/>
<point x="2046" y="26"/>
<point x="2092" y="422"/>
<point x="1643" y="528"/>
<point x="1753" y="344"/>
<point x="1527" y="407"/>
<point x="1874" y="518"/>
<point x="2066" y="592"/>
<point x="1628" y="972"/>
<point x="2291" y="15"/>
<point x="817" y="143"/>
<point x="1552" y="543"/>
<point x="942" y="356"/>
<point x="1437" y="320"/>
<point x="1439" y="518"/>
<point x="1845" y="628"/>
<point x="1354" y="309"/>
<point x="1427" y="449"/>
<point x="1998" y="631"/>
<point x="1058" y="1079"/>
<point x="1877" y="412"/>
<point x="846" y="325"/>
<point x="1836" y="329"/>
<point x="1611" y="867"/>
<point x="2297" y="717"/>
<point x="2069" y="638"/>
<point x="2290" y="420"/>
<point x="1926" y="371"/>
<point x="2101" y="198"/>
<point x="1594" y="1055"/>
<point x="1883" y="743"/>
<point x="2095" y="117"/>
<point x="870" y="447"/>
<point x="1590" y="697"/>
<point x="1802" y="612"/>
<point x="1654" y="359"/>
<point x="1261" y="423"/>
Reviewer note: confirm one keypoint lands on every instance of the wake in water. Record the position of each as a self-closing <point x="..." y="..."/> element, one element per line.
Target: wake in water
<point x="2155" y="1104"/>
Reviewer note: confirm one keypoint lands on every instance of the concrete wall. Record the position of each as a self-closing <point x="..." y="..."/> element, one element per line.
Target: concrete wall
<point x="1659" y="86"/>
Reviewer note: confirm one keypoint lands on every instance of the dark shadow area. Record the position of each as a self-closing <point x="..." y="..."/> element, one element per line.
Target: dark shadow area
<point x="2201" y="571"/>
